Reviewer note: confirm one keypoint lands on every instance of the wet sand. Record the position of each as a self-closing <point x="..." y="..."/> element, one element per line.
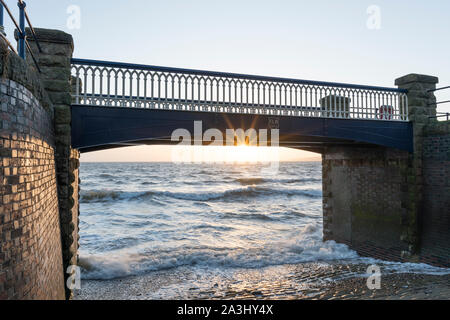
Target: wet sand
<point x="397" y="287"/>
<point x="303" y="281"/>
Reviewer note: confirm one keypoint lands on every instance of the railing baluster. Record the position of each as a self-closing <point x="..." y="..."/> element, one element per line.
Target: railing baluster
<point x="159" y="92"/>
<point x="138" y="89"/>
<point x="85" y="85"/>
<point x="116" y="87"/>
<point x="179" y="92"/>
<point x="241" y="92"/>
<point x="77" y="84"/>
<point x="224" y="84"/>
<point x="173" y="88"/>
<point x="192" y="93"/>
<point x="186" y="90"/>
<point x="108" y="79"/>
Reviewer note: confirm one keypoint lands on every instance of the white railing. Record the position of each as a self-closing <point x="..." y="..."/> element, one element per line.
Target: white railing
<point x="112" y="84"/>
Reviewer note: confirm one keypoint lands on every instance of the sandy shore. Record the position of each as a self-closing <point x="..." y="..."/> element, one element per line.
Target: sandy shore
<point x="302" y="281"/>
<point x="397" y="287"/>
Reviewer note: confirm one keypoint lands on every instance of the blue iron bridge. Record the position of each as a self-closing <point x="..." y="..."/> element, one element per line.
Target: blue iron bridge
<point x="119" y="104"/>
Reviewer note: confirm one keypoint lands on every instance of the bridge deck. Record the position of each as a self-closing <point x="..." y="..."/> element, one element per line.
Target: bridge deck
<point x="96" y="128"/>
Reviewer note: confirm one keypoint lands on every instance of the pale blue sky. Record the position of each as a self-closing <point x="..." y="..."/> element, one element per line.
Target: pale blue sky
<point x="317" y="40"/>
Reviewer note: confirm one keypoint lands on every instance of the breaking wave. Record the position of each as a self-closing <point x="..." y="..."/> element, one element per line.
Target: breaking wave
<point x="307" y="246"/>
<point x="258" y="181"/>
<point x="139" y="218"/>
<point x="231" y="194"/>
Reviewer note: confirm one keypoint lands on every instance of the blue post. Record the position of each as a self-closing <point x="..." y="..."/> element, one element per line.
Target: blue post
<point x="22" y="6"/>
<point x="2" y="27"/>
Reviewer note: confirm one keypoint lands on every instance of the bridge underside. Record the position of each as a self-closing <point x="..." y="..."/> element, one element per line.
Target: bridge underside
<point x="97" y="128"/>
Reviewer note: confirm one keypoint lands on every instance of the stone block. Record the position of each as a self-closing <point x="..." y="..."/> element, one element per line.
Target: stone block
<point x="63" y="129"/>
<point x="60" y="98"/>
<point x="49" y="60"/>
<point x="51" y="38"/>
<point x="64" y="140"/>
<point x="415" y="102"/>
<point x="62" y="114"/>
<point x="414" y="77"/>
<point x="55" y="73"/>
<point x="57" y="85"/>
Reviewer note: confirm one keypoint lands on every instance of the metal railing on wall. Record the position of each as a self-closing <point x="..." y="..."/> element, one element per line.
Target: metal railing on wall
<point x="23" y="44"/>
<point x="440" y="115"/>
<point x="113" y="84"/>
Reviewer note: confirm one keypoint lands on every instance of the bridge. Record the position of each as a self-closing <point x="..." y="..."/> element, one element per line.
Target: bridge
<point x="116" y="104"/>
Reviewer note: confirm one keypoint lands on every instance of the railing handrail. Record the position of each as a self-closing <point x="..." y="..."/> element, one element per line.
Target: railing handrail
<point x="3" y="5"/>
<point x="100" y="63"/>
<point x="441" y="115"/>
<point x="30" y="25"/>
<point x="438" y="89"/>
<point x="20" y="27"/>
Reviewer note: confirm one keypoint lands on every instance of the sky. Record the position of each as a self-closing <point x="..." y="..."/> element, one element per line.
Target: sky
<point x="354" y="41"/>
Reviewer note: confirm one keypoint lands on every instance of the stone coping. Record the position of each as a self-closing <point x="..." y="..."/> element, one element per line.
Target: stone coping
<point x="47" y="35"/>
<point x="14" y="68"/>
<point x="415" y="77"/>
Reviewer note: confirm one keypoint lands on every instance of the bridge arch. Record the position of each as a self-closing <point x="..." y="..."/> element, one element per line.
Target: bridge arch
<point x="97" y="128"/>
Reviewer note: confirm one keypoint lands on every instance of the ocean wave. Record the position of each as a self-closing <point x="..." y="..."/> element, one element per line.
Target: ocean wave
<point x="106" y="176"/>
<point x="250" y="181"/>
<point x="310" y="180"/>
<point x="118" y="265"/>
<point x="147" y="183"/>
<point x="247" y="216"/>
<point x="214" y="227"/>
<point x="304" y="246"/>
<point x="233" y="219"/>
<point x="231" y="194"/>
<point x="259" y="181"/>
<point x="100" y="196"/>
<point x="307" y="246"/>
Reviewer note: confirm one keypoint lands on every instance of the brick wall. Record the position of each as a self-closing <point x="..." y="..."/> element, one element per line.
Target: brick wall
<point x="367" y="196"/>
<point x="364" y="200"/>
<point x="435" y="221"/>
<point x="390" y="204"/>
<point x="54" y="61"/>
<point x="30" y="238"/>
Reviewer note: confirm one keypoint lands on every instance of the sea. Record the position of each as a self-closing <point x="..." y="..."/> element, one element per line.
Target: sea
<point x="212" y="230"/>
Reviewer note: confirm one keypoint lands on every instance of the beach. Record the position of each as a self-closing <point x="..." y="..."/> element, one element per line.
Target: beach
<point x="275" y="283"/>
